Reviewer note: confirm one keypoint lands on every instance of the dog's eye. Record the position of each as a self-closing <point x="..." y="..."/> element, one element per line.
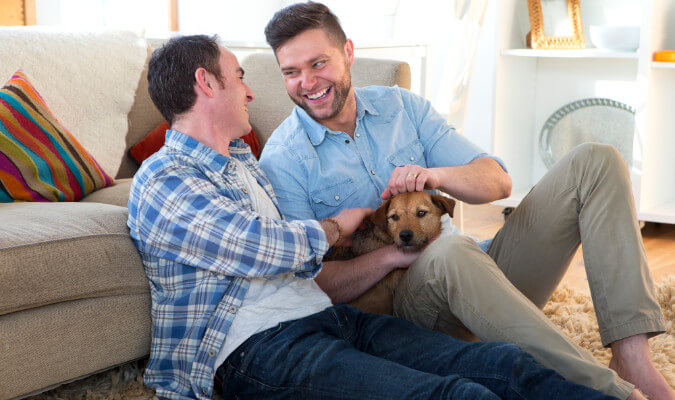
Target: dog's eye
<point x="421" y="213"/>
<point x="394" y="217"/>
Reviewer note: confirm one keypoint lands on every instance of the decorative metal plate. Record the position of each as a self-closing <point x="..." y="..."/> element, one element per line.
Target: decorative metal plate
<point x="588" y="120"/>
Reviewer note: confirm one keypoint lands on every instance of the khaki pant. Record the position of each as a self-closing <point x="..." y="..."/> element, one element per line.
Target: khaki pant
<point x="456" y="288"/>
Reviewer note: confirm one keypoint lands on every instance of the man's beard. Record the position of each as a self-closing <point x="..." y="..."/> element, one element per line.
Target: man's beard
<point x="341" y="92"/>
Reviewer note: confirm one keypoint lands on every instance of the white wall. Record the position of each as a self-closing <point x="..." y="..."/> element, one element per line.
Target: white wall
<point x="146" y="16"/>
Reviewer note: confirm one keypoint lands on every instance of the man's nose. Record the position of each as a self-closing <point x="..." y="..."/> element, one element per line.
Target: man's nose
<point x="308" y="81"/>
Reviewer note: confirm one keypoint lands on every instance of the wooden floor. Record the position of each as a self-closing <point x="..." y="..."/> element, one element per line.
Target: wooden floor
<point x="485" y="220"/>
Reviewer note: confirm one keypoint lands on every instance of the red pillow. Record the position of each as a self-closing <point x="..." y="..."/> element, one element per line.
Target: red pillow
<point x="251" y="140"/>
<point x="155" y="140"/>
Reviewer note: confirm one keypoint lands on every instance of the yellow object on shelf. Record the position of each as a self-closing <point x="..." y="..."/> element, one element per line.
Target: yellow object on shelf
<point x="664" y="56"/>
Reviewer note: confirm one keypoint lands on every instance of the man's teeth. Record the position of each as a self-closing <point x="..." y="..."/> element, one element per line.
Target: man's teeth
<point x="318" y="95"/>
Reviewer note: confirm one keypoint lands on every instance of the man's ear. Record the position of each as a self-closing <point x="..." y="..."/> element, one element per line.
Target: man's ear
<point x="446" y="204"/>
<point x="379" y="217"/>
<point x="349" y="52"/>
<point x="202" y="78"/>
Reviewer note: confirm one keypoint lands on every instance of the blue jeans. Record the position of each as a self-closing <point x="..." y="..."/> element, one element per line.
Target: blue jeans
<point x="342" y="353"/>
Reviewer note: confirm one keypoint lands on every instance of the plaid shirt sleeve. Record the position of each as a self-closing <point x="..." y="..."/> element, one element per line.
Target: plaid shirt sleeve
<point x="208" y="229"/>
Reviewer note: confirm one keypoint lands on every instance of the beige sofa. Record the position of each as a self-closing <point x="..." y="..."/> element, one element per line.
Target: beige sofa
<point x="74" y="299"/>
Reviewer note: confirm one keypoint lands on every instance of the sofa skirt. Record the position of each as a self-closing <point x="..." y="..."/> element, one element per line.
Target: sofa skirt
<point x="45" y="346"/>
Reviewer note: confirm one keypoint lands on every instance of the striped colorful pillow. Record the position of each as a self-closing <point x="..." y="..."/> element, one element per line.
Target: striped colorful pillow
<point x="39" y="159"/>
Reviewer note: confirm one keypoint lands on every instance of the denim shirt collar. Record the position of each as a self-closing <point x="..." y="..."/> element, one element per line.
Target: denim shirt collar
<point x="317" y="132"/>
<point x="184" y="144"/>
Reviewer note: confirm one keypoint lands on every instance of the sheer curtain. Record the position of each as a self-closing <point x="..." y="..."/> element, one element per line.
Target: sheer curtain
<point x="469" y="15"/>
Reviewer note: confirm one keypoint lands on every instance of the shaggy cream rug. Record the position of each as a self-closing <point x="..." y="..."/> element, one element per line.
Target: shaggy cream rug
<point x="573" y="313"/>
<point x="570" y="310"/>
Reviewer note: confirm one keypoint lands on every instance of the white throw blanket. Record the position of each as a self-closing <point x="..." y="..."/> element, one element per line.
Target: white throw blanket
<point x="88" y="80"/>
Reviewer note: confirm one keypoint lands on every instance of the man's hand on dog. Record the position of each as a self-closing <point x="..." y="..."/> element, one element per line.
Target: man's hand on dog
<point x="410" y="178"/>
<point x="350" y="220"/>
<point x="402" y="259"/>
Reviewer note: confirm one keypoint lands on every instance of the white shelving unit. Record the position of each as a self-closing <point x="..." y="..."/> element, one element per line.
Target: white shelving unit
<point x="530" y="85"/>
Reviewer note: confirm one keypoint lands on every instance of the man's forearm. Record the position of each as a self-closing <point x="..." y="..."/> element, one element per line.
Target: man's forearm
<point x="332" y="230"/>
<point x="344" y="281"/>
<point x="481" y="181"/>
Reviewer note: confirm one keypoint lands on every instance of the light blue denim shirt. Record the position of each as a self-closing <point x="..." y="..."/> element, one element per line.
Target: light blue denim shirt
<point x="317" y="172"/>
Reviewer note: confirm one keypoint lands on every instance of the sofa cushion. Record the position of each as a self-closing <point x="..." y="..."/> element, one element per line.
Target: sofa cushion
<point x="55" y="252"/>
<point x="150" y="144"/>
<point x="117" y="194"/>
<point x="88" y="79"/>
<point x="143" y="118"/>
<point x="39" y="159"/>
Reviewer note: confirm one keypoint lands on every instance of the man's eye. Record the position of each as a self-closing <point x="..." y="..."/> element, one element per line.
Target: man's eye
<point x="289" y="73"/>
<point x="319" y="64"/>
<point x="421" y="213"/>
<point x="394" y="217"/>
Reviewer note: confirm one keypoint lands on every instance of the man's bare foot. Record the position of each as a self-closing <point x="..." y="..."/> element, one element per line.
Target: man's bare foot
<point x="632" y="362"/>
<point x="636" y="395"/>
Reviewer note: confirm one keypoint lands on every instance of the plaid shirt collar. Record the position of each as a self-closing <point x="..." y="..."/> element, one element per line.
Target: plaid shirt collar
<point x="181" y="143"/>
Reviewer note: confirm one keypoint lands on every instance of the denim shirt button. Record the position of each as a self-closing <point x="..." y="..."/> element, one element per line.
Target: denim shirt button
<point x="372" y="172"/>
<point x="205" y="391"/>
<point x="412" y="158"/>
<point x="232" y="309"/>
<point x="212" y="353"/>
<point x="244" y="190"/>
<point x="358" y="135"/>
<point x="337" y="197"/>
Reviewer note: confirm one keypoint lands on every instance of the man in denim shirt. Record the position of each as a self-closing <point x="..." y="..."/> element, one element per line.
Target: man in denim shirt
<point x="352" y="147"/>
<point x="233" y="298"/>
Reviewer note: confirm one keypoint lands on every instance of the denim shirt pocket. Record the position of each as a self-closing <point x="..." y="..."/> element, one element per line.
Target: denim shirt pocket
<point x="333" y="195"/>
<point x="412" y="153"/>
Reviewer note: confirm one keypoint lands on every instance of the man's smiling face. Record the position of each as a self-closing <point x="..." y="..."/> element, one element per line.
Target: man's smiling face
<point x="316" y="73"/>
<point x="232" y="96"/>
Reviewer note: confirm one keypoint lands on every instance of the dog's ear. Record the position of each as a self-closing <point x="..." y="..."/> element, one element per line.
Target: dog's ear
<point x="446" y="204"/>
<point x="379" y="217"/>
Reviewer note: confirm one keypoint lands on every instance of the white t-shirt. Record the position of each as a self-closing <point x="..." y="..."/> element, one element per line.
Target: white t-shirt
<point x="269" y="302"/>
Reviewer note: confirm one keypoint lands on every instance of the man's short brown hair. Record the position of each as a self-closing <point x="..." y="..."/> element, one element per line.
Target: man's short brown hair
<point x="171" y="73"/>
<point x="297" y="18"/>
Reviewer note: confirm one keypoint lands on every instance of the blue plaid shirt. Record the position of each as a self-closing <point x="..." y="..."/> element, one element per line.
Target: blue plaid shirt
<point x="191" y="219"/>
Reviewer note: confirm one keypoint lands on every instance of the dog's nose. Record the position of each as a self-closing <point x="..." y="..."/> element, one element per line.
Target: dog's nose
<point x="406" y="235"/>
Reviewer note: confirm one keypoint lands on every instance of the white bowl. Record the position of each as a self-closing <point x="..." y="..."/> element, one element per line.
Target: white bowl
<point x="615" y="37"/>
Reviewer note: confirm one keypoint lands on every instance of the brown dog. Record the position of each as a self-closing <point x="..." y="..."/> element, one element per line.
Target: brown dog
<point x="409" y="221"/>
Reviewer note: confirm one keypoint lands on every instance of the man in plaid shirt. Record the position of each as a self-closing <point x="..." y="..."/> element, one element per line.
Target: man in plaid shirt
<point x="233" y="299"/>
